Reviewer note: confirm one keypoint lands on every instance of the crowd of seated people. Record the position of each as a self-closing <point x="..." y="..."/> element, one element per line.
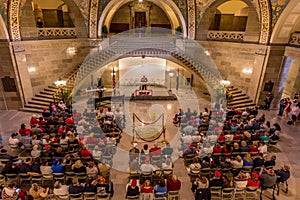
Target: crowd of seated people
<point x="151" y="172"/>
<point x="148" y="191"/>
<point x="224" y="154"/>
<point x="54" y="148"/>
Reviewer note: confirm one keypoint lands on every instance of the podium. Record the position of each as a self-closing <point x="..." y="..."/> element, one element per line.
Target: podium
<point x="143" y="93"/>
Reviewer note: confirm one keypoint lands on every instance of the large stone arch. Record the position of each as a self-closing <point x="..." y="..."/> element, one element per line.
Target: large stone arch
<point x="14" y="19"/>
<point x="287" y="23"/>
<point x="168" y="6"/>
<point x="252" y="33"/>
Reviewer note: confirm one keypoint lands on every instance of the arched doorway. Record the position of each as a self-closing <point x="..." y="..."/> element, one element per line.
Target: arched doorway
<point x="170" y="12"/>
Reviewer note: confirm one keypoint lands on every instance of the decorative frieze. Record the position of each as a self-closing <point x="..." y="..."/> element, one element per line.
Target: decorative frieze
<point x="225" y="35"/>
<point x="14" y="20"/>
<point x="265" y="12"/>
<point x="93" y="18"/>
<point x="191" y="18"/>
<point x="56" y="32"/>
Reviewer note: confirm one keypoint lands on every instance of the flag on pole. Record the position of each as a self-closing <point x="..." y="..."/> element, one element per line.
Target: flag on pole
<point x="177" y="79"/>
<point x="114" y="79"/>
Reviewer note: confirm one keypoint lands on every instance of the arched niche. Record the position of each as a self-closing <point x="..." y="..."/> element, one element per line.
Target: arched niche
<point x="214" y="7"/>
<point x="28" y="22"/>
<point x="168" y="6"/>
<point x="288" y="23"/>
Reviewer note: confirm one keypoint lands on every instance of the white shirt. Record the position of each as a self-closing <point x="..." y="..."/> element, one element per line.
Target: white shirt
<point x="295" y="111"/>
<point x="263" y="149"/>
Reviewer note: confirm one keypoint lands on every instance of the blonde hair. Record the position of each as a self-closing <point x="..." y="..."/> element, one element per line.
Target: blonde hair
<point x="248" y="157"/>
<point x="78" y="164"/>
<point x="72" y="137"/>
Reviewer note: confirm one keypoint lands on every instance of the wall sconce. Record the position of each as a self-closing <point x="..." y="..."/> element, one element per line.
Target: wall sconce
<point x="247" y="71"/>
<point x="169" y="106"/>
<point x="140" y="1"/>
<point x="207" y="53"/>
<point x="71" y="51"/>
<point x="31" y="69"/>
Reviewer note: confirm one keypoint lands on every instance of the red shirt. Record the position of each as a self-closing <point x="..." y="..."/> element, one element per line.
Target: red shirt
<point x="85" y="153"/>
<point x="253" y="149"/>
<point x="221" y="138"/>
<point x="173" y="186"/>
<point x="155" y="151"/>
<point x="237" y="137"/>
<point x="25" y="131"/>
<point x="69" y="121"/>
<point x="217" y="150"/>
<point x="148" y="189"/>
<point x="252" y="183"/>
<point x="33" y="120"/>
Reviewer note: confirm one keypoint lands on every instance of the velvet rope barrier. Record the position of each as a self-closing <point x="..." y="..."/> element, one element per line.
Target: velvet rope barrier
<point x="161" y="132"/>
<point x="148" y="123"/>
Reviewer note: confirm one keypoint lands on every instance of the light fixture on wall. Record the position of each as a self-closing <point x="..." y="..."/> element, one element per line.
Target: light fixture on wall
<point x="31" y="69"/>
<point x="247" y="71"/>
<point x="140" y="1"/>
<point x="71" y="51"/>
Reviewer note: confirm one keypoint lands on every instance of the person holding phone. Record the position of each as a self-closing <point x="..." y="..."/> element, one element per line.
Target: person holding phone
<point x="10" y="192"/>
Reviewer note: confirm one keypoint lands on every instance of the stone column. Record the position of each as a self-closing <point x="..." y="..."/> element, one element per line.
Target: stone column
<point x="273" y="73"/>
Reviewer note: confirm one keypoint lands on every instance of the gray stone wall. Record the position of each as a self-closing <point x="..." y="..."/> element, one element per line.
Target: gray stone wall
<point x="232" y="58"/>
<point x="42" y="62"/>
<point x="273" y="73"/>
<point x="8" y="100"/>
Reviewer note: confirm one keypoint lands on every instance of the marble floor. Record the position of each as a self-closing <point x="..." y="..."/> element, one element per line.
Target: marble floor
<point x="287" y="153"/>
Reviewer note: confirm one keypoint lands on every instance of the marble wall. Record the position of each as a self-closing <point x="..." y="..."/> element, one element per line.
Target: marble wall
<point x="233" y="59"/>
<point x="41" y="63"/>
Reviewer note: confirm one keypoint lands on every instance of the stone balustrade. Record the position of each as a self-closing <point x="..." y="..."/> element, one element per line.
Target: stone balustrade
<point x="225" y="35"/>
<point x="56" y="33"/>
<point x="295" y="39"/>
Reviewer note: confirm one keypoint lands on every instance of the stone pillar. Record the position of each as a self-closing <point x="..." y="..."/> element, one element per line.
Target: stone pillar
<point x="273" y="73"/>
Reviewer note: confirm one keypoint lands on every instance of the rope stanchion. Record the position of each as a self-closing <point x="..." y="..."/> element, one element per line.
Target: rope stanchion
<point x="136" y="133"/>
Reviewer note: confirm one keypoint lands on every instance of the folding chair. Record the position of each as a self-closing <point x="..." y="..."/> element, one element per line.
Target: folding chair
<point x="173" y="195"/>
<point x="75" y="196"/>
<point x="263" y="188"/>
<point x="89" y="196"/>
<point x="216" y="192"/>
<point x="227" y="193"/>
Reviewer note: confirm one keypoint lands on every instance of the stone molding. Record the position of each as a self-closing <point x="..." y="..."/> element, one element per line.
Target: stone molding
<point x="265" y="23"/>
<point x="191" y="18"/>
<point x="14" y="20"/>
<point x="225" y="35"/>
<point x="56" y="32"/>
<point x="94" y="5"/>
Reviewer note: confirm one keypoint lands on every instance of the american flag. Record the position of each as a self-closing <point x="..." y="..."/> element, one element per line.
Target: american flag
<point x="114" y="79"/>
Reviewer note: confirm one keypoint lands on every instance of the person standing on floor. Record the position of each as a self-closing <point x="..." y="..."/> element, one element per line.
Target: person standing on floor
<point x="282" y="105"/>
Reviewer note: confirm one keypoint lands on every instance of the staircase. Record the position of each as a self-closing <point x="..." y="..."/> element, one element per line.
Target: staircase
<point x="239" y="99"/>
<point x="45" y="97"/>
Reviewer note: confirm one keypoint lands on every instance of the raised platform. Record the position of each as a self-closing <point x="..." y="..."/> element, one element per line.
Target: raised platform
<point x="158" y="96"/>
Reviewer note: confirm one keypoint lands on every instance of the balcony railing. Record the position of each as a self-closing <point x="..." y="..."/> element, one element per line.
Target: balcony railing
<point x="46" y="33"/>
<point x="295" y="39"/>
<point x="226" y="35"/>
